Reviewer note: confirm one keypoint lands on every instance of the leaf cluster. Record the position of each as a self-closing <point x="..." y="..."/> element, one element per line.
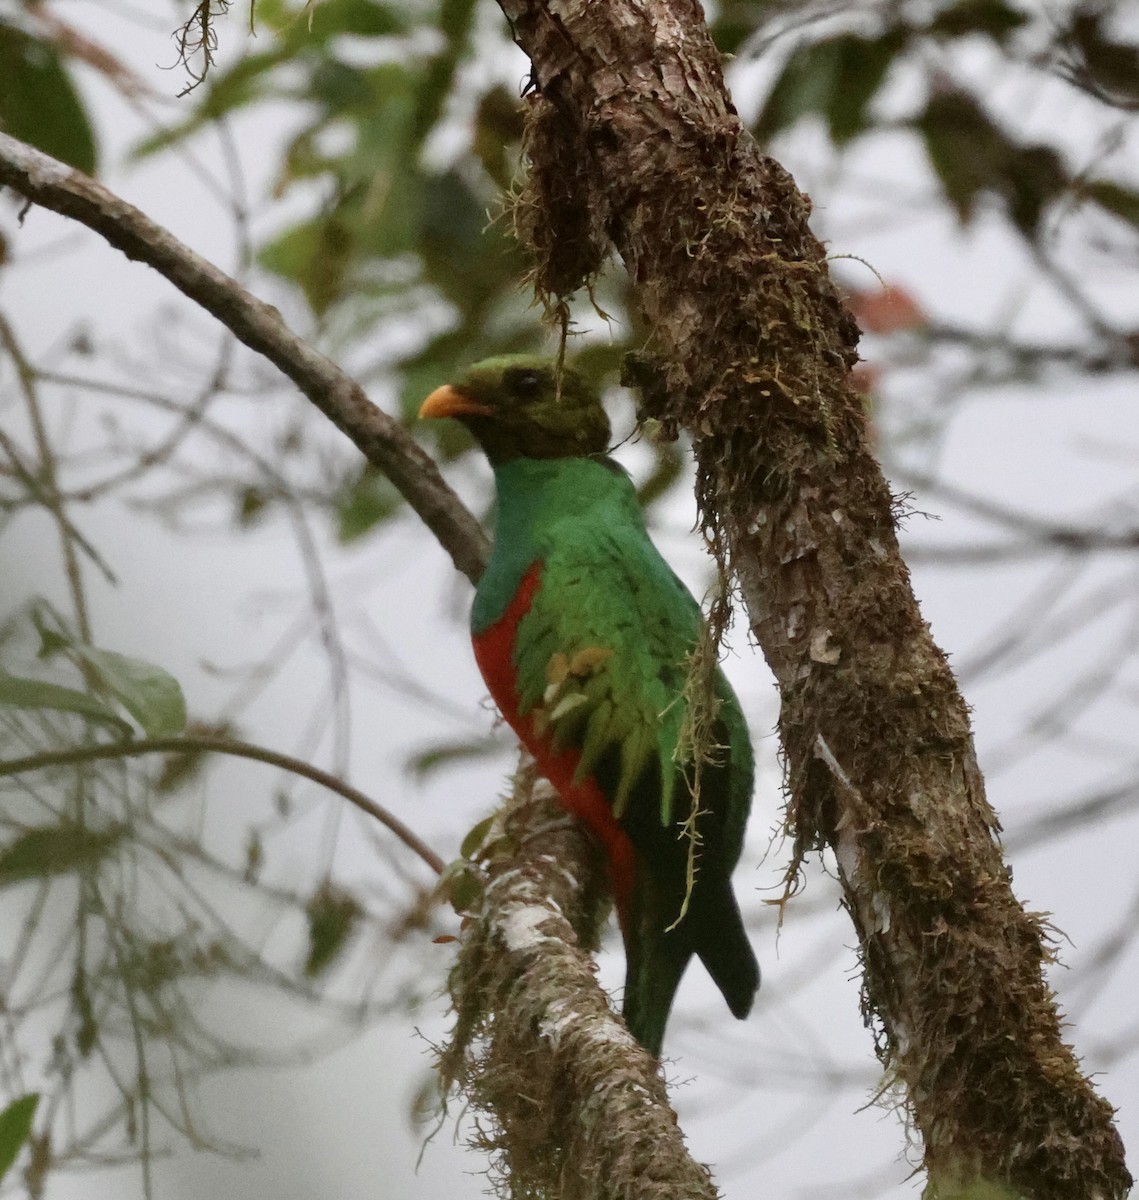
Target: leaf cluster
<point x="842" y="77"/>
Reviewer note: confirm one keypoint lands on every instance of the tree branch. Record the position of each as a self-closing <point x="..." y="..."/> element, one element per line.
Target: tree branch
<point x="634" y="143"/>
<point x="385" y="444"/>
<point x="200" y="744"/>
<point x="579" y="1109"/>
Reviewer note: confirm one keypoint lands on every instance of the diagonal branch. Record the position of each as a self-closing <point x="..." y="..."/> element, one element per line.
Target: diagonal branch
<point x="382" y="440"/>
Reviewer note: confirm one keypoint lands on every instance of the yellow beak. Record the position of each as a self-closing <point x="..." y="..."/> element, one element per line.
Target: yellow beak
<point x="448" y="401"/>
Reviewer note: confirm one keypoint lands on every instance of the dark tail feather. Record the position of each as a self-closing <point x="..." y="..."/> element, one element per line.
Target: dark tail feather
<point x="653" y="969"/>
<point x="656" y="960"/>
<point x="721" y="942"/>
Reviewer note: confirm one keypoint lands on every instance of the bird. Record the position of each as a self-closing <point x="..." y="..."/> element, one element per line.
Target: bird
<point x="584" y="636"/>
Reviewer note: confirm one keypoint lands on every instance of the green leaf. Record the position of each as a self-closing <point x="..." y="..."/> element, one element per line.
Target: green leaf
<point x="835" y="79"/>
<point x="37" y="693"/>
<point x="396" y="230"/>
<point x="972" y="155"/>
<point x="1117" y="199"/>
<point x="966" y="150"/>
<point x="476" y="835"/>
<point x="55" y="850"/>
<point x="301" y="27"/>
<point x="729" y="32"/>
<point x="499" y="125"/>
<point x="382" y="173"/>
<point x="15" y="1128"/>
<point x="461" y="885"/>
<point x="316" y="256"/>
<point x="803" y="87"/>
<point x="1105" y="66"/>
<point x="1036" y="176"/>
<point x="51" y="640"/>
<point x="454" y="218"/>
<point x="38" y="102"/>
<point x="251" y="503"/>
<point x="860" y="69"/>
<point x="445" y="754"/>
<point x="994" y="18"/>
<point x="333" y="916"/>
<point x="369" y="499"/>
<point x="455" y="22"/>
<point x="364" y="18"/>
<point x="151" y="695"/>
<point x="338" y="86"/>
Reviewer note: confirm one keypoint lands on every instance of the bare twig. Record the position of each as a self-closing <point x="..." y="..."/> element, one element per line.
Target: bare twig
<point x="1040" y="532"/>
<point x="200" y="743"/>
<point x="50" y="183"/>
<point x="49" y="487"/>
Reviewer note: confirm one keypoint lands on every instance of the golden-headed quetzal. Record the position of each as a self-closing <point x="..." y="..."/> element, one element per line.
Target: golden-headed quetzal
<point x="583" y="635"/>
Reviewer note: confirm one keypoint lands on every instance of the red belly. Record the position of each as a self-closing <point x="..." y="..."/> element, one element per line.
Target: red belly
<point x="494" y="652"/>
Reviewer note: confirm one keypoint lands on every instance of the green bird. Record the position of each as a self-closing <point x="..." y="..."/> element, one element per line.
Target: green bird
<point x="583" y="634"/>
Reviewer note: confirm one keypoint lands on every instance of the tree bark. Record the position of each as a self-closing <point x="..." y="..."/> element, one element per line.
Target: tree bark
<point x="634" y="144"/>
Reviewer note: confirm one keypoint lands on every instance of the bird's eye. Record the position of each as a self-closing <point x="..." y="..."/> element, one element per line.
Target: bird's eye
<point x="526" y="383"/>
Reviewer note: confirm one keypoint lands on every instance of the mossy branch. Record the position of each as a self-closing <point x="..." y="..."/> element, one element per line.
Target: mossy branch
<point x="576" y="1109"/>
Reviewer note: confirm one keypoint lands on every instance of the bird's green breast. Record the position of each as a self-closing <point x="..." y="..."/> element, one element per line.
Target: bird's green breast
<point x="542" y="503"/>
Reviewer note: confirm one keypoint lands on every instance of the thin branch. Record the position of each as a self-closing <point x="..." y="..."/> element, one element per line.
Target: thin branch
<point x="1105" y="356"/>
<point x="1070" y="816"/>
<point x="191" y="743"/>
<point x="1040" y="532"/>
<point x="192" y="416"/>
<point x="52" y="498"/>
<point x="50" y="183"/>
<point x="36" y="490"/>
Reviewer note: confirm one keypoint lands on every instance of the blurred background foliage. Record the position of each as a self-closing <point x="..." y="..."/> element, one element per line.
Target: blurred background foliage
<point x="406" y="143"/>
<point x="382" y="226"/>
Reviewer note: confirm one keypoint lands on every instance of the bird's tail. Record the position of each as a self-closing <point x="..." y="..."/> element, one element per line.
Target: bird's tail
<point x="722" y="944"/>
<point x="656" y="960"/>
<point x="654" y="964"/>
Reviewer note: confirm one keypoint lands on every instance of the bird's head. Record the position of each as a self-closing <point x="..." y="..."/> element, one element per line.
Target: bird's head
<point x="518" y="407"/>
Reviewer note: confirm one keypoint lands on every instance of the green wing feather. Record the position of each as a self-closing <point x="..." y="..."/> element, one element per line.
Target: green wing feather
<point x="598" y="655"/>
